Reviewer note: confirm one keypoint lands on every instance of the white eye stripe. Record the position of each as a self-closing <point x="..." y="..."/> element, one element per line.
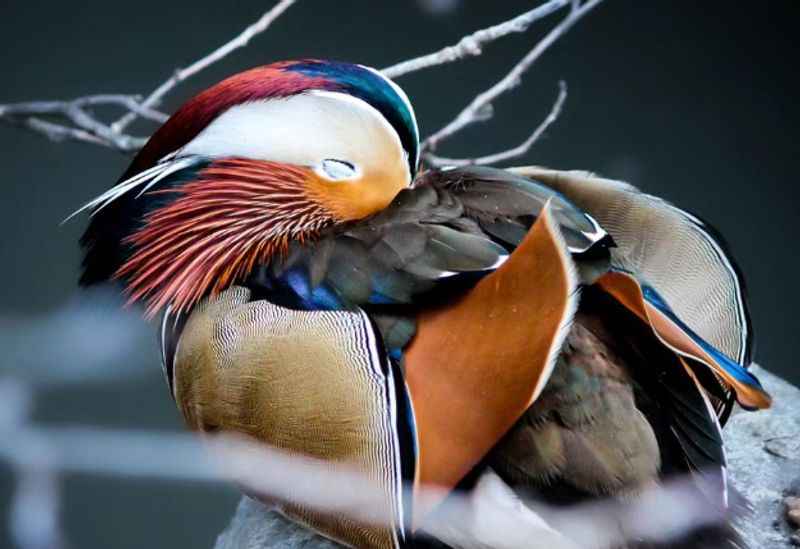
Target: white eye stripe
<point x="305" y="130"/>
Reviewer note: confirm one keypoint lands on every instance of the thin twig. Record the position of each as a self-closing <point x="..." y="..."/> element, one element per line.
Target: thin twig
<point x="80" y="124"/>
<point x="479" y="108"/>
<point x="440" y="161"/>
<point x="472" y="44"/>
<point x="182" y="74"/>
<point x="71" y="120"/>
<point x="57" y="132"/>
<point x="130" y="102"/>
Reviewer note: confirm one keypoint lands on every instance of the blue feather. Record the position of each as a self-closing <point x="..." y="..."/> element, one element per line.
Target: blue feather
<point x="318" y="298"/>
<point x="377" y="298"/>
<point x="736" y="370"/>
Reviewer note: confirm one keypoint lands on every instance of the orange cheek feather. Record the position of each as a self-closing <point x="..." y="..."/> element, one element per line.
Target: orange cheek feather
<point x="357" y="199"/>
<point x="236" y="214"/>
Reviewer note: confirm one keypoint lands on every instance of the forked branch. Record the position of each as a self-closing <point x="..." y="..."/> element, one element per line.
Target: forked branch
<point x="508" y="154"/>
<point x="218" y="54"/>
<point x="75" y="120"/>
<point x="471" y="45"/>
<point x="480" y="108"/>
<point x="69" y="120"/>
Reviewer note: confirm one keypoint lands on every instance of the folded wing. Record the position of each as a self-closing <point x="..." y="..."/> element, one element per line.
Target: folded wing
<point x="691" y="289"/>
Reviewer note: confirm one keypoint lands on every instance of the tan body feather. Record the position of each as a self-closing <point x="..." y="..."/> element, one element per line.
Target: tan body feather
<point x="296" y="381"/>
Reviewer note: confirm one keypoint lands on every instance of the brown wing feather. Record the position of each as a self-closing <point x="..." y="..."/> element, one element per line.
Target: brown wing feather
<point x="477" y="364"/>
<point x="585" y="434"/>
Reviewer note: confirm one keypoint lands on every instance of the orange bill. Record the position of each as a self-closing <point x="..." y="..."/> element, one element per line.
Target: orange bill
<point x="627" y="290"/>
<point x="477" y="364"/>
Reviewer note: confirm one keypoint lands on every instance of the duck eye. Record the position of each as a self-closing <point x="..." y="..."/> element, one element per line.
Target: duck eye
<point x="338" y="169"/>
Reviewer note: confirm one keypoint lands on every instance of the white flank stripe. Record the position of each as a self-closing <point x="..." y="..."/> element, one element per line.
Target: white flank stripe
<point x="572" y="301"/>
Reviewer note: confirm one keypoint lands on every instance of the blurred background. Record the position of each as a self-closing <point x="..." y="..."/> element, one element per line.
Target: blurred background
<point x="692" y="101"/>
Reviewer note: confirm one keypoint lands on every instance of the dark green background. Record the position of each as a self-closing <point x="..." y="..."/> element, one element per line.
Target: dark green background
<point x="693" y="101"/>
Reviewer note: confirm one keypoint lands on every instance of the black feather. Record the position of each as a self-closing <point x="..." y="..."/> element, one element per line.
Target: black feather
<point x="104" y="250"/>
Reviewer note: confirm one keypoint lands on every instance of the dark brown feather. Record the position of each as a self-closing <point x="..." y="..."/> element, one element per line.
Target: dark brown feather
<point x="618" y="414"/>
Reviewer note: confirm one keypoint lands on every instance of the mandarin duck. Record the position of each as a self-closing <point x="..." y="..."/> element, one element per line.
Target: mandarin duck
<point x="322" y="294"/>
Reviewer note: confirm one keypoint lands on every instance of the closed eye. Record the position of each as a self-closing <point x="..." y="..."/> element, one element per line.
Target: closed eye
<point x="338" y="169"/>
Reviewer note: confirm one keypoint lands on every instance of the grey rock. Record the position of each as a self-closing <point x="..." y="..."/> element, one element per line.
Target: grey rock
<point x="254" y="526"/>
<point x="764" y="462"/>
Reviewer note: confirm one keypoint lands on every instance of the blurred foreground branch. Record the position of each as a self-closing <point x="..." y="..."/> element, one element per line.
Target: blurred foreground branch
<point x="491" y="513"/>
<point x="769" y="482"/>
<point x="74" y="120"/>
<point x="40" y="456"/>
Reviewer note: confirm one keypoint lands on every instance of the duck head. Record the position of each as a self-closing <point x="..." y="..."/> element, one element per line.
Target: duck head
<point x="271" y="155"/>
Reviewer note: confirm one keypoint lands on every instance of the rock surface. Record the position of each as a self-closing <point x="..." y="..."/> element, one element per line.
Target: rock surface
<point x="764" y="462"/>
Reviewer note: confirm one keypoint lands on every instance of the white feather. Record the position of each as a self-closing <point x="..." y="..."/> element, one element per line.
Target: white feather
<point x="149" y="177"/>
<point x="304" y="130"/>
<point x="174" y="166"/>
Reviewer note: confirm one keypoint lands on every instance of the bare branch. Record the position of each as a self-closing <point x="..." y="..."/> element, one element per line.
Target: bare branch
<point x="342" y="489"/>
<point x="478" y="107"/>
<point x="519" y="150"/>
<point x="130" y="102"/>
<point x="75" y="121"/>
<point x="180" y="75"/>
<point x="34" y="509"/>
<point x="56" y="132"/>
<point x="72" y="120"/>
<point x="472" y="44"/>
